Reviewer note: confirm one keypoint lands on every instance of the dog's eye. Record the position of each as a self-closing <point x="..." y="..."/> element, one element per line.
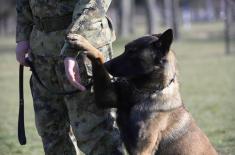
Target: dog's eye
<point x="159" y="44"/>
<point x="163" y="61"/>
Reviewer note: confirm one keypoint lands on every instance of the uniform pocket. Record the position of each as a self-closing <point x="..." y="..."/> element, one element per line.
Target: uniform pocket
<point x="99" y="33"/>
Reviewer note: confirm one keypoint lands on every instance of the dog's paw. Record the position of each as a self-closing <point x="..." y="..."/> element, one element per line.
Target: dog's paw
<point x="79" y="42"/>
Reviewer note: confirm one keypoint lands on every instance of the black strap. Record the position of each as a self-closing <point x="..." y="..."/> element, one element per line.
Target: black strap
<point x="21" y="128"/>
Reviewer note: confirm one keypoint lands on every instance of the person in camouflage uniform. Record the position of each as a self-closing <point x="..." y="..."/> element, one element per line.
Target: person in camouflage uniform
<point x="40" y="34"/>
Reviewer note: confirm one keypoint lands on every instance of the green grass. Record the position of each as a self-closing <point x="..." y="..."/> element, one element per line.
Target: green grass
<point x="207" y="87"/>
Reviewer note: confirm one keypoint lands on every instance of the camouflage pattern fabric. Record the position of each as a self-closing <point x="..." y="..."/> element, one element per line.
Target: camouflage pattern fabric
<point x="94" y="129"/>
<point x="89" y="20"/>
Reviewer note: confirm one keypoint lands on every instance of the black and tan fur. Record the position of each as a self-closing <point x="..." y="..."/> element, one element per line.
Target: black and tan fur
<point x="151" y="116"/>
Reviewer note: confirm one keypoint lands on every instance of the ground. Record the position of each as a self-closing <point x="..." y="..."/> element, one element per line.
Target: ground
<point x="207" y="87"/>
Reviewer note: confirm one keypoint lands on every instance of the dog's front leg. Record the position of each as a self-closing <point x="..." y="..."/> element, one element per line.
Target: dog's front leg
<point x="105" y="94"/>
<point x="149" y="135"/>
<point x="148" y="145"/>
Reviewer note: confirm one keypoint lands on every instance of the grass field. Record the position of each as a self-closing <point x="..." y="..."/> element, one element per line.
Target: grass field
<point x="207" y="86"/>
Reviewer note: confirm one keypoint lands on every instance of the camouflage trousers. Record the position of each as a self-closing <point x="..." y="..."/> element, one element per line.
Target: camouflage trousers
<point x="94" y="129"/>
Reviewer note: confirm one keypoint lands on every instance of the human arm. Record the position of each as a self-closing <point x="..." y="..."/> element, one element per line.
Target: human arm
<point x="89" y="20"/>
<point x="23" y="29"/>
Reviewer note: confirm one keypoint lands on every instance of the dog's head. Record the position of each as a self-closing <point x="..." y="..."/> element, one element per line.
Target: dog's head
<point x="142" y="56"/>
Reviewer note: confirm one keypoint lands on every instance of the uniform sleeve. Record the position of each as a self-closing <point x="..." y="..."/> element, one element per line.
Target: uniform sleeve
<point x="24" y="20"/>
<point x="86" y="13"/>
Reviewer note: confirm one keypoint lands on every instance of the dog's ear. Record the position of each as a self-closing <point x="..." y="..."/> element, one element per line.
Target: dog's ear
<point x="165" y="40"/>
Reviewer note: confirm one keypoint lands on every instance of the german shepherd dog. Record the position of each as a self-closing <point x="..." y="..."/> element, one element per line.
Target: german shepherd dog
<point x="151" y="116"/>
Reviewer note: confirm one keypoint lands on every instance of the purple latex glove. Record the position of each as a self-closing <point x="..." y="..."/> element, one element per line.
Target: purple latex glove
<point x="22" y="48"/>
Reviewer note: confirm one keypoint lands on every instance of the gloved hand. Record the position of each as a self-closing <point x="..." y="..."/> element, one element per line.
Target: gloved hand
<point x="22" y="48"/>
<point x="72" y="73"/>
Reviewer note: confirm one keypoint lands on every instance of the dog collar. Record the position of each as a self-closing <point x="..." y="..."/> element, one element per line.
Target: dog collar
<point x="171" y="81"/>
<point x="157" y="89"/>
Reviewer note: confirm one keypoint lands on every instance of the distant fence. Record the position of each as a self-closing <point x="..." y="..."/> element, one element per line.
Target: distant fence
<point x="229" y="26"/>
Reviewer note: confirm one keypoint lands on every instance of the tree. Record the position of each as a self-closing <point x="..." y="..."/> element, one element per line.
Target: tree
<point x="124" y="9"/>
<point x="175" y="20"/>
<point x="228" y="22"/>
<point x="210" y="8"/>
<point x="171" y="14"/>
<point x="150" y="6"/>
<point x="5" y="14"/>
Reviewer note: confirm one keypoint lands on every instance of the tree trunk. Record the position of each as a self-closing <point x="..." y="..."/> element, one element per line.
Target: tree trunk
<point x="171" y="12"/>
<point x="227" y="21"/>
<point x="151" y="15"/>
<point x="168" y="12"/>
<point x="175" y="20"/>
<point x="113" y="14"/>
<point x="132" y="17"/>
<point x="161" y="8"/>
<point x="124" y="14"/>
<point x="210" y="7"/>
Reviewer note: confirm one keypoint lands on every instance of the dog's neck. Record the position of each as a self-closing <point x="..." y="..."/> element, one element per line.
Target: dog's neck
<point x="164" y="98"/>
<point x="152" y="83"/>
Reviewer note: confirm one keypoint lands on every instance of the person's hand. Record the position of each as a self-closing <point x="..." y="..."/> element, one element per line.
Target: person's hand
<point x="22" y="48"/>
<point x="79" y="42"/>
<point x="72" y="73"/>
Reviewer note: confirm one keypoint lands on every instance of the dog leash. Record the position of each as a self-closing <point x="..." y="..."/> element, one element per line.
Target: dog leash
<point x="21" y="126"/>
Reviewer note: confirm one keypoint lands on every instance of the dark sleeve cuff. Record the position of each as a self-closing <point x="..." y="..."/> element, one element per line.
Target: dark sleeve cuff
<point x="23" y="33"/>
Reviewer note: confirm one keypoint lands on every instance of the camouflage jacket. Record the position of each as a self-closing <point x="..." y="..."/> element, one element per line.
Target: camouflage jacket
<point x="89" y="19"/>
